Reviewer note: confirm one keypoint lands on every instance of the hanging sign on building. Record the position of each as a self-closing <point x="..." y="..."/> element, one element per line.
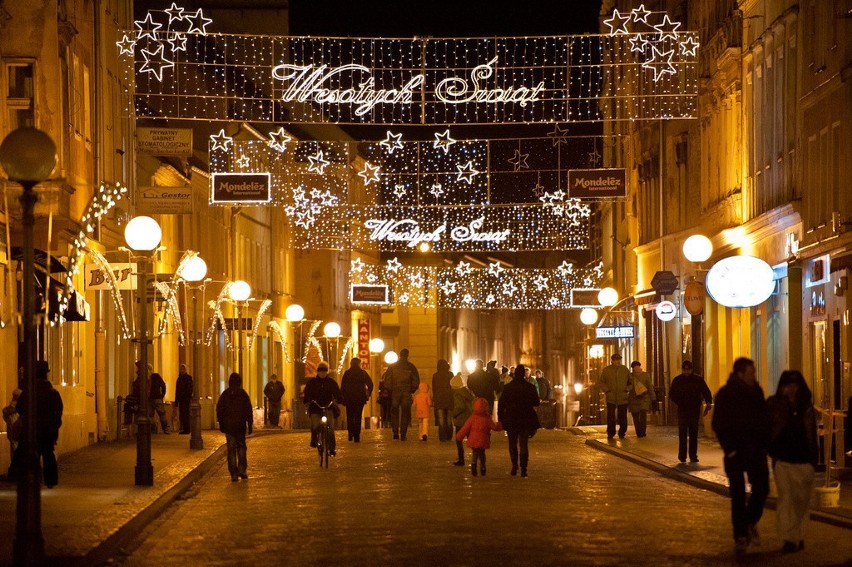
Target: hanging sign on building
<point x="593" y="184"/>
<point x="364" y="343"/>
<point x="740" y="281"/>
<point x="164" y="201"/>
<point x="666" y="310"/>
<point x="241" y="188"/>
<point x="693" y="298"/>
<point x="621" y="332"/>
<point x="125" y="276"/>
<point x="369" y="294"/>
<point x="164" y="141"/>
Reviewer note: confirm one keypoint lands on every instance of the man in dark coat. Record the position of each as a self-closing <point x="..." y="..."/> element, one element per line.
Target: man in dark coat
<point x="688" y="390"/>
<point x="402" y="379"/>
<point x="741" y="423"/>
<point x="320" y="391"/>
<point x="156" y="393"/>
<point x="48" y="421"/>
<point x="484" y="384"/>
<point x="356" y="387"/>
<point x="235" y="415"/>
<point x="274" y="391"/>
<point x="183" y="398"/>
<point x="442" y="400"/>
<point x="516" y="412"/>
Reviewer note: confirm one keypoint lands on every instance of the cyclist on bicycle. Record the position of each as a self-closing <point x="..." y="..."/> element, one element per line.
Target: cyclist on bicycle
<point x="322" y="390"/>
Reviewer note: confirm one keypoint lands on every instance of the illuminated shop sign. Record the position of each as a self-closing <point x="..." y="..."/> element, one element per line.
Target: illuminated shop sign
<point x="740" y="281"/>
<point x="625" y="332"/>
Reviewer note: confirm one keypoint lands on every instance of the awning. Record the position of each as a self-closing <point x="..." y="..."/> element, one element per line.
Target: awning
<point x="40" y="259"/>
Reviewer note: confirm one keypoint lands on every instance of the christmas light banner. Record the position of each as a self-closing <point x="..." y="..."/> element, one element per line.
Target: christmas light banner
<point x="489" y="287"/>
<point x="644" y="68"/>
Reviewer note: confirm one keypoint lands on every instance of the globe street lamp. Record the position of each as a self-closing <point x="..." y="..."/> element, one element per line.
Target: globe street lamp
<point x="697" y="249"/>
<point x="391" y="357"/>
<point x="28" y="155"/>
<point x="588" y="316"/>
<point x="295" y="315"/>
<point x="193" y="272"/>
<point x="332" y="330"/>
<point x="376" y="346"/>
<point x="239" y="292"/>
<point x="607" y="297"/>
<point x="143" y="235"/>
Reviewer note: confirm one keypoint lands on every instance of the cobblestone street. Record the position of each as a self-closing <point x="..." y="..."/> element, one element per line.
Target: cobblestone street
<point x="384" y="502"/>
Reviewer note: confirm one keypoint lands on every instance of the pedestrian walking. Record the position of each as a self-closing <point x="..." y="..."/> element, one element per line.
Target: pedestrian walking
<point x="484" y="384"/>
<point x="688" y="391"/>
<point x="545" y="392"/>
<point x="741" y="423"/>
<point x="156" y="393"/>
<point x="274" y="392"/>
<point x="477" y="429"/>
<point x="320" y="391"/>
<point x="442" y="400"/>
<point x="616" y="383"/>
<point x="48" y="421"/>
<point x="183" y="398"/>
<point x="356" y="387"/>
<point x="402" y="379"/>
<point x="462" y="409"/>
<point x="422" y="405"/>
<point x="235" y="416"/>
<point x="13" y="429"/>
<point x="795" y="452"/>
<point x="516" y="413"/>
<point x="641" y="398"/>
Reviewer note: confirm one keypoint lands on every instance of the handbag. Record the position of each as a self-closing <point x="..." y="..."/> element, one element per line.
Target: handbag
<point x="639" y="387"/>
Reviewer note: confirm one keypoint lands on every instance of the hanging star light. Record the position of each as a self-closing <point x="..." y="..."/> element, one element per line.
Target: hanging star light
<point x="147" y="28"/>
<point x="667" y="28"/>
<point x="559" y="135"/>
<point x="519" y="160"/>
<point x="399" y="190"/>
<point x="318" y="163"/>
<point x="279" y="139"/>
<point x="689" y="46"/>
<point x="126" y="45"/>
<point x="448" y="288"/>
<point x="437" y="190"/>
<point x="372" y="278"/>
<point x="393" y="265"/>
<point x="566" y="268"/>
<point x="392" y="142"/>
<point x="155" y="62"/>
<point x="463" y="268"/>
<point x="594" y="158"/>
<point x="637" y="43"/>
<point x="443" y="141"/>
<point x="466" y="172"/>
<point x="198" y="23"/>
<point x="663" y="66"/>
<point x="243" y="161"/>
<point x="177" y="41"/>
<point x="417" y="280"/>
<point x="617" y="24"/>
<point x="495" y="269"/>
<point x="509" y="288"/>
<point x="357" y="265"/>
<point x="640" y="14"/>
<point x="540" y="282"/>
<point x="370" y="173"/>
<point x="221" y="141"/>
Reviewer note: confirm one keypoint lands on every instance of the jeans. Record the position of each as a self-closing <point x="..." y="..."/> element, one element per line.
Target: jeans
<point x="611" y="411"/>
<point x="401" y="414"/>
<point x="519" y="438"/>
<point x="273" y="412"/>
<point x="157" y="405"/>
<point x="316" y="421"/>
<point x="737" y="467"/>
<point x="353" y="421"/>
<point x="445" y="427"/>
<point x="237" y="464"/>
<point x="687" y="428"/>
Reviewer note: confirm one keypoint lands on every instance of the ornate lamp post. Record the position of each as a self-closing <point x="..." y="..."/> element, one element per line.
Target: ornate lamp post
<point x="239" y="292"/>
<point x="143" y="236"/>
<point x="295" y="315"/>
<point x="193" y="273"/>
<point x="28" y="155"/>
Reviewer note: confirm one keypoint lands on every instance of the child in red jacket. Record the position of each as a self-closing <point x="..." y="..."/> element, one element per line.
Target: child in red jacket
<point x="477" y="429"/>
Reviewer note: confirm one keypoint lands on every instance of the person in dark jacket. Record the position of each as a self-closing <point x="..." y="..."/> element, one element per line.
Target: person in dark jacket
<point x="356" y="387"/>
<point x="484" y="384"/>
<point x="688" y="390"/>
<point x="741" y="423"/>
<point x="156" y="393"/>
<point x="274" y="391"/>
<point x="402" y="379"/>
<point x="516" y="412"/>
<point x="48" y="421"/>
<point x="320" y="391"/>
<point x="235" y="416"/>
<point x="795" y="452"/>
<point x="183" y="398"/>
<point x="442" y="400"/>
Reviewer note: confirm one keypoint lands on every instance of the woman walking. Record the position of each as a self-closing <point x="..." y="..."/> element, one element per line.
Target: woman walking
<point x="516" y="412"/>
<point x="442" y="399"/>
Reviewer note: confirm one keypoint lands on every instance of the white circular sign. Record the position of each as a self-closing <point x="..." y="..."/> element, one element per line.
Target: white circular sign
<point x="740" y="281"/>
<point x="666" y="310"/>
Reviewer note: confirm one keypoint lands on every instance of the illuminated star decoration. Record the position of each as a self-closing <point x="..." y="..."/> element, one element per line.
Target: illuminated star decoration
<point x="443" y="141"/>
<point x="637" y="43"/>
<point x="198" y="23"/>
<point x="372" y="278"/>
<point x="509" y="288"/>
<point x="540" y="282"/>
<point x="174" y="13"/>
<point x="278" y="140"/>
<point x="392" y="142"/>
<point x="403" y="298"/>
<point x="565" y="268"/>
<point x="318" y="163"/>
<point x="640" y="14"/>
<point x="663" y="66"/>
<point x="370" y="173"/>
<point x="559" y="135"/>
<point x="489" y="299"/>
<point x="147" y="28"/>
<point x="617" y="23"/>
<point x="463" y="268"/>
<point x="495" y="269"/>
<point x="468" y="298"/>
<point x="538" y="190"/>
<point x="177" y="41"/>
<point x="448" y="287"/>
<point x="667" y="28"/>
<point x="519" y="160"/>
<point x="437" y="190"/>
<point x="417" y="280"/>
<point x="399" y="190"/>
<point x="466" y="172"/>
<point x="594" y="157"/>
<point x="393" y="265"/>
<point x="689" y="46"/>
<point x="554" y="302"/>
<point x="155" y="62"/>
<point x="221" y="141"/>
<point x="126" y="45"/>
<point x="357" y="265"/>
<point x="243" y="161"/>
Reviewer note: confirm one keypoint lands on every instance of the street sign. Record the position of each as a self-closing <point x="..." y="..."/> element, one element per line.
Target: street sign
<point x="369" y="294"/>
<point x="623" y="332"/>
<point x="664" y="282"/>
<point x="164" y="141"/>
<point x="666" y="310"/>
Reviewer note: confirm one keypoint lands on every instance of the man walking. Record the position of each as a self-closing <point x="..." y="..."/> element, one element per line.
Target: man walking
<point x="48" y="421"/>
<point x="235" y="415"/>
<point x="183" y="397"/>
<point x="616" y="384"/>
<point x="485" y="383"/>
<point x="741" y="423"/>
<point x="688" y="390"/>
<point x="274" y="391"/>
<point x="402" y="379"/>
<point x="356" y="387"/>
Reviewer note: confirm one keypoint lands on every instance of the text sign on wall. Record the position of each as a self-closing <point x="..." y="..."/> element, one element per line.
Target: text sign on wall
<point x="164" y="201"/>
<point x="370" y="294"/>
<point x="164" y="141"/>
<point x="241" y="188"/>
<point x="96" y="278"/>
<point x="364" y="343"/>
<point x="591" y="184"/>
<point x="625" y="332"/>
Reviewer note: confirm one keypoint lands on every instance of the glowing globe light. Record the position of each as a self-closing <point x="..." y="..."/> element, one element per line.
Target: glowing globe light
<point x="578" y="387"/>
<point x="331" y="330"/>
<point x="470" y="364"/>
<point x="239" y="291"/>
<point x="588" y="316"/>
<point x="740" y="281"/>
<point x="143" y="234"/>
<point x="193" y="270"/>
<point x="607" y="297"/>
<point x="697" y="248"/>
<point x="377" y="345"/>
<point x="294" y="313"/>
<point x="391" y="357"/>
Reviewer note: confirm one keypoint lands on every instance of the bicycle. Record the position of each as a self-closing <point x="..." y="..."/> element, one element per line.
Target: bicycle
<point x="325" y="435"/>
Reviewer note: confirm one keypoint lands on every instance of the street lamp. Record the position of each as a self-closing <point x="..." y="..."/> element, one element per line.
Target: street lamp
<point x="607" y="297"/>
<point x="143" y="235"/>
<point x="376" y="346"/>
<point x="28" y="155"/>
<point x="331" y="330"/>
<point x="588" y="316"/>
<point x="391" y="357"/>
<point x="239" y="292"/>
<point x="697" y="249"/>
<point x="193" y="273"/>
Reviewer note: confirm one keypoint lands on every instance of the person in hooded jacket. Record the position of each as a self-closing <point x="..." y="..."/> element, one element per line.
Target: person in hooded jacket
<point x="516" y="413"/>
<point x="402" y="379"/>
<point x="462" y="409"/>
<point x="477" y="429"/>
<point x="356" y="387"/>
<point x="319" y="392"/>
<point x="442" y="400"/>
<point x="235" y="416"/>
<point x="422" y="405"/>
<point x="48" y="421"/>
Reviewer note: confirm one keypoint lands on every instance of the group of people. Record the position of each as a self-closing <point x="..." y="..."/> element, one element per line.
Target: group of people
<point x="156" y="398"/>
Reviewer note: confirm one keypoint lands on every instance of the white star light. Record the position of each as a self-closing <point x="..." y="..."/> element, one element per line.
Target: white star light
<point x="617" y="23"/>
<point x="540" y="282"/>
<point x="437" y="190"/>
<point x="519" y="160"/>
<point x="565" y="268"/>
<point x="392" y="142"/>
<point x="443" y="141"/>
<point x="155" y="62"/>
<point x="403" y="298"/>
<point x="357" y="265"/>
<point x="559" y="135"/>
<point x="174" y="13"/>
<point x="689" y="46"/>
<point x="198" y="23"/>
<point x="221" y="141"/>
<point x="370" y="173"/>
<point x="667" y="28"/>
<point x="448" y="288"/>
<point x="468" y="298"/>
<point x="318" y="163"/>
<point x="177" y="41"/>
<point x="126" y="45"/>
<point x="393" y="265"/>
<point x="662" y="67"/>
<point x="466" y="172"/>
<point x="640" y="14"/>
<point x="509" y="288"/>
<point x="147" y="28"/>
<point x="554" y="301"/>
<point x="417" y="280"/>
<point x="495" y="269"/>
<point x="279" y="139"/>
<point x="372" y="278"/>
<point x="399" y="190"/>
<point x="637" y="43"/>
<point x="243" y="161"/>
<point x="489" y="299"/>
<point x="463" y="268"/>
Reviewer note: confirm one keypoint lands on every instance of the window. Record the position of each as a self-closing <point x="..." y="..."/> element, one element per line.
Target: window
<point x="20" y="108"/>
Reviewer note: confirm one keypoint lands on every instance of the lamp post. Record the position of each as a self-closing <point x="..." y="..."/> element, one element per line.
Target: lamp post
<point x="142" y="235"/>
<point x="376" y="346"/>
<point x="697" y="249"/>
<point x="239" y="292"/>
<point x="193" y="273"/>
<point x="295" y="315"/>
<point x="28" y="155"/>
<point x="331" y="330"/>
